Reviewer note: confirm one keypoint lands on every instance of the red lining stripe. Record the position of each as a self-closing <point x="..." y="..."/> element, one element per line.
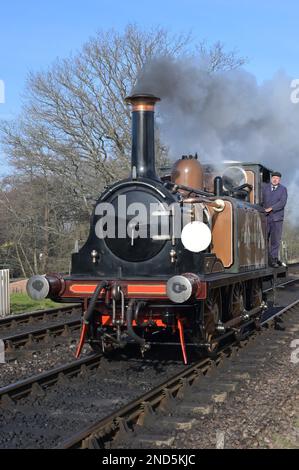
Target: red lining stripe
<point x="107" y="321"/>
<point x="84" y="288"/>
<point x="157" y="289"/>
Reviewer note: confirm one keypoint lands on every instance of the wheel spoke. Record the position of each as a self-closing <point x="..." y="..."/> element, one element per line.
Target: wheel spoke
<point x="212" y="316"/>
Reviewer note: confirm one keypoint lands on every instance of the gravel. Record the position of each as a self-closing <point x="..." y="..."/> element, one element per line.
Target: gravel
<point x="263" y="413"/>
<point x="30" y="361"/>
<point x="43" y="420"/>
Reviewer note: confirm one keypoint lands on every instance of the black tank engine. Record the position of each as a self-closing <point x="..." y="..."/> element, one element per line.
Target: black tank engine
<point x="180" y="258"/>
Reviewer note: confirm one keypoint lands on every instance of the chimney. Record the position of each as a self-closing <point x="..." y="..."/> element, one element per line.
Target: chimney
<point x="143" y="138"/>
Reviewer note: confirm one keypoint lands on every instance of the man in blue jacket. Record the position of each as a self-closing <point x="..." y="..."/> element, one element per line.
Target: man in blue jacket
<point x="275" y="197"/>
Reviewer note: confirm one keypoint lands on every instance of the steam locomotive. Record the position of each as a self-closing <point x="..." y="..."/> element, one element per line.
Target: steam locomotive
<point x="180" y="259"/>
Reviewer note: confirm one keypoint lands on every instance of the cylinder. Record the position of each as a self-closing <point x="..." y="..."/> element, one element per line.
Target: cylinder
<point x="143" y="135"/>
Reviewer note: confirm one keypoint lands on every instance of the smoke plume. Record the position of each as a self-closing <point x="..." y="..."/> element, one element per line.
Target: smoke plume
<point x="225" y="115"/>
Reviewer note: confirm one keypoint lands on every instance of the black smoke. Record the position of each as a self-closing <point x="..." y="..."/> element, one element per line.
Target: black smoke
<point x="225" y="115"/>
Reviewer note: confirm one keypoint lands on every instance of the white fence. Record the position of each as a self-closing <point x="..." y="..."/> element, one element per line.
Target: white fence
<point x="4" y="293"/>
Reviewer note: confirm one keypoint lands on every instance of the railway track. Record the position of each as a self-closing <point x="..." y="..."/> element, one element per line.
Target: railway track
<point x="44" y="333"/>
<point x="282" y="285"/>
<point x="146" y="409"/>
<point x="38" y="383"/>
<point x="137" y="412"/>
<point x="30" y="329"/>
<point x="38" y="316"/>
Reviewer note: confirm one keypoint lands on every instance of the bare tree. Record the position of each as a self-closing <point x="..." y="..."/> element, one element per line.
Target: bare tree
<point x="217" y="59"/>
<point x="35" y="227"/>
<point x="75" y="121"/>
<point x="73" y="136"/>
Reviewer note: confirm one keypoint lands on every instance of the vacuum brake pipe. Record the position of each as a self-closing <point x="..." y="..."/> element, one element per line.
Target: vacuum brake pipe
<point x="130" y="330"/>
<point x="88" y="315"/>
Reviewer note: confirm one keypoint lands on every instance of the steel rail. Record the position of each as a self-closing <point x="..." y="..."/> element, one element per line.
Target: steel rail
<point x="18" y="340"/>
<point x="282" y="285"/>
<point x="130" y="413"/>
<point x="12" y="321"/>
<point x="23" y="388"/>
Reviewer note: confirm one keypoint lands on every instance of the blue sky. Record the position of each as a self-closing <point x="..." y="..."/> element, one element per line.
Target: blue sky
<point x="33" y="32"/>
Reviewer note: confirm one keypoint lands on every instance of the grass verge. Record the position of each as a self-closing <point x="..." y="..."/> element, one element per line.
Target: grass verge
<point x="21" y="303"/>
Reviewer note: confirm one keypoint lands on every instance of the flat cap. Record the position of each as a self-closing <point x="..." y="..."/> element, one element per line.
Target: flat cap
<point x="276" y="173"/>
